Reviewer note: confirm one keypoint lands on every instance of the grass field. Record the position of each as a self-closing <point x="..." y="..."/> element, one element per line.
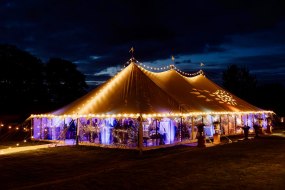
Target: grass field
<point x="252" y="164"/>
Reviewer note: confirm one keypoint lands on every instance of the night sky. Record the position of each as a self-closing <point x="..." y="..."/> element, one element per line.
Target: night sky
<point x="97" y="35"/>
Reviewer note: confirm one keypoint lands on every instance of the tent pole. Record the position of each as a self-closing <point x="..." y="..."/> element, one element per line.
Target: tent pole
<point x="52" y="129"/>
<point x="41" y="128"/>
<point x="228" y="124"/>
<point x="77" y="132"/>
<point x="221" y="129"/>
<point x="49" y="127"/>
<point x="235" y="124"/>
<point x="192" y="127"/>
<point x="181" y="120"/>
<point x="212" y="125"/>
<point x="156" y="132"/>
<point x="92" y="134"/>
<point x="63" y="129"/>
<point x="140" y="145"/>
<point x="32" y="128"/>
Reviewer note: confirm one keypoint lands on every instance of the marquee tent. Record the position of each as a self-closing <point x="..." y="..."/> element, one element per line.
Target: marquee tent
<point x="140" y="108"/>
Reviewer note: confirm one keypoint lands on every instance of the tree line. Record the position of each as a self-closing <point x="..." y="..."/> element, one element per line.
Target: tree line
<point x="239" y="81"/>
<point x="28" y="85"/>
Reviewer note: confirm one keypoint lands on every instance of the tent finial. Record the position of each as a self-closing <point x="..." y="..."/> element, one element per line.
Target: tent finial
<point x="132" y="50"/>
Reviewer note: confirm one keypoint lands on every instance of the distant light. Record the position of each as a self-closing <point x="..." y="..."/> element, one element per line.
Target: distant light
<point x="10" y="127"/>
<point x="17" y="144"/>
<point x="282" y="119"/>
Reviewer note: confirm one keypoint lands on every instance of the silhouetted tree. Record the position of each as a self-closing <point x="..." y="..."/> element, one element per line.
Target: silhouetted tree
<point x="21" y="80"/>
<point x="240" y="82"/>
<point x="271" y="97"/>
<point x="65" y="83"/>
<point x="29" y="86"/>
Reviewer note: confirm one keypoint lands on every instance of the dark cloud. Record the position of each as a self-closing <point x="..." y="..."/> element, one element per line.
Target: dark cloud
<point x="267" y="68"/>
<point x="76" y="30"/>
<point x="262" y="62"/>
<point x="183" y="61"/>
<point x="95" y="80"/>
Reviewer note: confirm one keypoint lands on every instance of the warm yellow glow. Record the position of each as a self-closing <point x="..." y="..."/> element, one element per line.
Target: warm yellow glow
<point x="144" y="67"/>
<point x="100" y="96"/>
<point x="225" y="97"/>
<point x="219" y="95"/>
<point x="11" y="150"/>
<point x="145" y="115"/>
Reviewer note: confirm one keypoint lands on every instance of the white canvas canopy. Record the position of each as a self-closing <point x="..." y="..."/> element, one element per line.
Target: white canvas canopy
<point x="136" y="90"/>
<point x="162" y="107"/>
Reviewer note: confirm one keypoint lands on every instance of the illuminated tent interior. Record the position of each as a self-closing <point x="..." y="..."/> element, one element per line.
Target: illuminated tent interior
<point x="142" y="108"/>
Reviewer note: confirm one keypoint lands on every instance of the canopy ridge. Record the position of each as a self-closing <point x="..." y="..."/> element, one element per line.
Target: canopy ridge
<point x="136" y="90"/>
<point x="166" y="68"/>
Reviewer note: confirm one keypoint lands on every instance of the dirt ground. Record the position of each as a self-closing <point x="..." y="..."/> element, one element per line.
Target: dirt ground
<point x="252" y="164"/>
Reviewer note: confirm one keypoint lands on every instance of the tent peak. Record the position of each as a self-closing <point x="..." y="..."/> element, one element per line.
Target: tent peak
<point x="130" y="61"/>
<point x="133" y="60"/>
<point x="165" y="68"/>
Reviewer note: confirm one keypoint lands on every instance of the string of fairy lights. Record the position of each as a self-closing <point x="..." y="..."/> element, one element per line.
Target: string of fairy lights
<point x="10" y="131"/>
<point x="154" y="115"/>
<point x="164" y="68"/>
<point x="101" y="92"/>
<point x="117" y="77"/>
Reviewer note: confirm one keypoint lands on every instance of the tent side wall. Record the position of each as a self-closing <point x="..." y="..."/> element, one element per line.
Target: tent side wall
<point x="172" y="106"/>
<point x="123" y="132"/>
